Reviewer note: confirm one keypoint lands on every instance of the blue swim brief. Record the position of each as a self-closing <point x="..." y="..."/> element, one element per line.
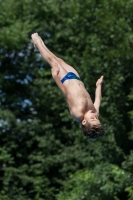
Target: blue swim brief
<point x="70" y="75"/>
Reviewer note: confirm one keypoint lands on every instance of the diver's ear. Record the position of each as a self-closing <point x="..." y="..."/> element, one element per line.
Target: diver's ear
<point x="83" y="122"/>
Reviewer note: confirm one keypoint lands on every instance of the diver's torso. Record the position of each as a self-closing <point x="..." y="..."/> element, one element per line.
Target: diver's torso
<point x="78" y="98"/>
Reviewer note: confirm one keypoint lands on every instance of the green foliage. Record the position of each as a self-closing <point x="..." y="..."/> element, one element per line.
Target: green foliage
<point x="102" y="183"/>
<point x="40" y="144"/>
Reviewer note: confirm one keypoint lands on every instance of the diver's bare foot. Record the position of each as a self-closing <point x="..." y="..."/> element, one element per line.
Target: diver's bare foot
<point x="36" y="38"/>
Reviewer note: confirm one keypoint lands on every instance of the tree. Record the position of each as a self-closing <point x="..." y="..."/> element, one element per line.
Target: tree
<point x="104" y="182"/>
<point x="40" y="144"/>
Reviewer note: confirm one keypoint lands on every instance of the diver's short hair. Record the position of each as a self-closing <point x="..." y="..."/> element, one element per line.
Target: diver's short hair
<point x="93" y="132"/>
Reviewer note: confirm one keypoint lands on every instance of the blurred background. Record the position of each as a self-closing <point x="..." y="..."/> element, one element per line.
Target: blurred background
<point x="43" y="153"/>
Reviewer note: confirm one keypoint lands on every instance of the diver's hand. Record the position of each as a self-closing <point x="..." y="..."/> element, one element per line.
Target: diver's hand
<point x="55" y="70"/>
<point x="99" y="81"/>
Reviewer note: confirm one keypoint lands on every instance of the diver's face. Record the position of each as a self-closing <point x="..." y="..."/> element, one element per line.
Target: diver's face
<point x="91" y="117"/>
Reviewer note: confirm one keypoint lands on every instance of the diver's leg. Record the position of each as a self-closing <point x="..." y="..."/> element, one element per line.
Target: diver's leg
<point x="48" y="55"/>
<point x="67" y="67"/>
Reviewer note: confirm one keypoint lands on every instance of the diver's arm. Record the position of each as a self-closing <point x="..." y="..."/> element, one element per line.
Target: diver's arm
<point x="98" y="94"/>
<point x="98" y="98"/>
<point x="60" y="85"/>
<point x="55" y="71"/>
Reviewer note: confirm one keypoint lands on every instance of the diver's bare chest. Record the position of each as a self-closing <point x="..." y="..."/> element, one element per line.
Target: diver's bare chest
<point x="77" y="96"/>
<point x="77" y="101"/>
